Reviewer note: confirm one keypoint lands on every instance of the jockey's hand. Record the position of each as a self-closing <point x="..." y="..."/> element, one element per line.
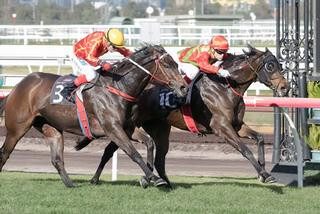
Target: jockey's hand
<point x="223" y="73"/>
<point x="105" y="66"/>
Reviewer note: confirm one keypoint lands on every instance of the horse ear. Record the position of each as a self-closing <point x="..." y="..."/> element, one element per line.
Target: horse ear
<point x="250" y="48"/>
<point x="245" y="52"/>
<point x="267" y="50"/>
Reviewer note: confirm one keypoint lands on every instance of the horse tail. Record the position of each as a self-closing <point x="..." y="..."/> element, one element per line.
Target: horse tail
<point x="82" y="142"/>
<point x="3" y="101"/>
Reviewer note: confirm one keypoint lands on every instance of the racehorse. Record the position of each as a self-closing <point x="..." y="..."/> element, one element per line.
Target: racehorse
<point x="217" y="108"/>
<point x="28" y="105"/>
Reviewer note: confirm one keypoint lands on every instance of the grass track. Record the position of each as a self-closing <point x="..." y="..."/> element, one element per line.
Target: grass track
<point x="45" y="193"/>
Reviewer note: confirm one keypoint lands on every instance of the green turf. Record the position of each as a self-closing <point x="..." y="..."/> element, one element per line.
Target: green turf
<point x="45" y="193"/>
<point x="261" y="118"/>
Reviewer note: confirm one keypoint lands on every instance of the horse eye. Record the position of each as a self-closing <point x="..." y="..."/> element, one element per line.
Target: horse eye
<point x="269" y="67"/>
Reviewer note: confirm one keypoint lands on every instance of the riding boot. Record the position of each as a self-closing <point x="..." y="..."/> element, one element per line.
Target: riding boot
<point x="69" y="87"/>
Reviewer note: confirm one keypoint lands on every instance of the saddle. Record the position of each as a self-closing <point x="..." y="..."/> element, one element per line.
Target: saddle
<point x="75" y="98"/>
<point x="68" y="98"/>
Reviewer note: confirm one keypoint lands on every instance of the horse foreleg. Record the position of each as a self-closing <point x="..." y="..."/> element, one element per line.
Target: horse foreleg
<point x="55" y="139"/>
<point x="107" y="154"/>
<point x="120" y="137"/>
<point x="247" y="132"/>
<point x="144" y="138"/>
<point x="231" y="137"/>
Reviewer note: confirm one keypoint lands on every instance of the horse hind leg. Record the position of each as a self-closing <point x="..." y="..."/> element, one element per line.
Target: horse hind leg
<point x="107" y="154"/>
<point x="231" y="137"/>
<point x="55" y="139"/>
<point x="14" y="134"/>
<point x="7" y="148"/>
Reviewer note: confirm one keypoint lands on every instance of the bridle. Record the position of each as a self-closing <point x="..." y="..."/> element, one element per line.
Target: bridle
<point x="266" y="63"/>
<point x="262" y="76"/>
<point x="158" y="67"/>
<point x="157" y="60"/>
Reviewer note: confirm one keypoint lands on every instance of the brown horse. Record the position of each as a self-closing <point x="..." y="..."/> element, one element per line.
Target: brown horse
<point x="217" y="108"/>
<point x="28" y="105"/>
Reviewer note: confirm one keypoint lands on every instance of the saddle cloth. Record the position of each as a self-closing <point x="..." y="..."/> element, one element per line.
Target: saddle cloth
<point x="57" y="99"/>
<point x="56" y="96"/>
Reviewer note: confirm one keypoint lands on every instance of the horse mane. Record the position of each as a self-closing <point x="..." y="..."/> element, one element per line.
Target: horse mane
<point x="235" y="60"/>
<point x="124" y="66"/>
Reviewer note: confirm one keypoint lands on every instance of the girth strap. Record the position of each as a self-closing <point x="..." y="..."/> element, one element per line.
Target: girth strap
<point x="188" y="119"/>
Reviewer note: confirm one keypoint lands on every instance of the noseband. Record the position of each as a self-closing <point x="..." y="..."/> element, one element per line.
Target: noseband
<point x="267" y="59"/>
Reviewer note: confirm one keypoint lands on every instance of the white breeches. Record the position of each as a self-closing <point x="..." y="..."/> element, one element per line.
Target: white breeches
<point x="186" y="69"/>
<point x="80" y="66"/>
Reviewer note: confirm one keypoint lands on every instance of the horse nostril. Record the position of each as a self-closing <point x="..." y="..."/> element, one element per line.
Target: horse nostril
<point x="184" y="89"/>
<point x="284" y="90"/>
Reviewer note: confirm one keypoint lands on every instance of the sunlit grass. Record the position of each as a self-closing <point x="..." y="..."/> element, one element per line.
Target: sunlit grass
<point x="45" y="193"/>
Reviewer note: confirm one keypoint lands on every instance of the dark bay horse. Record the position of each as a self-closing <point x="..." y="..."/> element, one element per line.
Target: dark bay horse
<point x="217" y="108"/>
<point x="28" y="105"/>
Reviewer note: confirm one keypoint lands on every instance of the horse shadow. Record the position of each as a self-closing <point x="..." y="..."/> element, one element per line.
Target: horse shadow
<point x="232" y="181"/>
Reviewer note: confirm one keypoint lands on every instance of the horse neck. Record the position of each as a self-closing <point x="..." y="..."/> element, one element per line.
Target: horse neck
<point x="242" y="86"/>
<point x="133" y="83"/>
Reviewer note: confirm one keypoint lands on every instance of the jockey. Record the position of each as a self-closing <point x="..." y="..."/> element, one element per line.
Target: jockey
<point x="86" y="53"/>
<point x="206" y="58"/>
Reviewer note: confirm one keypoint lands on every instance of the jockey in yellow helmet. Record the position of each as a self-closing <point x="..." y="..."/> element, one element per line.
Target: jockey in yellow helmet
<point x="87" y="51"/>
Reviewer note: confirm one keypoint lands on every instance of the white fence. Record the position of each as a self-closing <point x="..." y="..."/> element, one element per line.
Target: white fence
<point x="170" y="35"/>
<point x="43" y="55"/>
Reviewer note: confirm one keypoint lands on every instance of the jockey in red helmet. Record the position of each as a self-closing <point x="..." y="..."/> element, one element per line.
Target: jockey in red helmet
<point x="86" y="53"/>
<point x="206" y="58"/>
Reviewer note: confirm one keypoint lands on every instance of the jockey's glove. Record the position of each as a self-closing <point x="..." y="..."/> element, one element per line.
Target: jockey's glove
<point x="106" y="66"/>
<point x="223" y="73"/>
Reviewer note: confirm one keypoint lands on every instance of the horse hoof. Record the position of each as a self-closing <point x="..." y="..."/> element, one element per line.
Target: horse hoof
<point x="160" y="182"/>
<point x="94" y="181"/>
<point x="71" y="185"/>
<point x="261" y="178"/>
<point x="144" y="182"/>
<point x="270" y="180"/>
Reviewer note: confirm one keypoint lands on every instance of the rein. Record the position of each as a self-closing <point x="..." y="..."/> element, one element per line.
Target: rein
<point x="254" y="70"/>
<point x="232" y="89"/>
<point x="158" y="67"/>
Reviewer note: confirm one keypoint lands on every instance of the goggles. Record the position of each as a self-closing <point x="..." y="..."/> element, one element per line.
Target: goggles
<point x="219" y="51"/>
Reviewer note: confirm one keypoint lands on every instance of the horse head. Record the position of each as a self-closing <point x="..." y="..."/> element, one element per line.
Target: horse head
<point x="261" y="66"/>
<point x="159" y="66"/>
<point x="267" y="69"/>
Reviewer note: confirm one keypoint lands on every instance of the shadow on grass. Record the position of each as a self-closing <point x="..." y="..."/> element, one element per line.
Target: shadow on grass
<point x="271" y="187"/>
<point x="176" y="185"/>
